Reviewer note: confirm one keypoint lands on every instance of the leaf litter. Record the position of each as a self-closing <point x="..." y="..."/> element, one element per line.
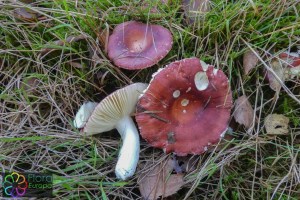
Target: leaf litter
<point x="250" y="61"/>
<point x="159" y="181"/>
<point x="276" y="124"/>
<point x="243" y="113"/>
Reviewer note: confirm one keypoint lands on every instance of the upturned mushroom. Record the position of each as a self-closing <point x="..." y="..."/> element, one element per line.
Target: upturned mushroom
<point x="186" y="107"/>
<point x="114" y="112"/>
<point x="83" y="114"/>
<point x="134" y="45"/>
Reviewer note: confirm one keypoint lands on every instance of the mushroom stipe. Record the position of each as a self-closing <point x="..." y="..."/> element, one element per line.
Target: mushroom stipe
<point x="114" y="112"/>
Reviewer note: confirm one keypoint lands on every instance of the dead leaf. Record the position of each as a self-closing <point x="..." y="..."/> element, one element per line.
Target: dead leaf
<point x="25" y="14"/>
<point x="279" y="71"/>
<point x="250" y="61"/>
<point x="276" y="124"/>
<point x="103" y="37"/>
<point x="160" y="182"/>
<point x="68" y="40"/>
<point x="194" y="9"/>
<point x="75" y="64"/>
<point x="244" y="112"/>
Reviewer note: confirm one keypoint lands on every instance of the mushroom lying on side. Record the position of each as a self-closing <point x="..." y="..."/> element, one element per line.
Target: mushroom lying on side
<point x="115" y="112"/>
<point x="186" y="107"/>
<point x="134" y="45"/>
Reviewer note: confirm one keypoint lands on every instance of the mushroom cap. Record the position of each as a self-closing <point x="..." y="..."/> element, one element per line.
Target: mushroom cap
<point x="292" y="58"/>
<point x="185" y="108"/>
<point x="134" y="45"/>
<point x="113" y="108"/>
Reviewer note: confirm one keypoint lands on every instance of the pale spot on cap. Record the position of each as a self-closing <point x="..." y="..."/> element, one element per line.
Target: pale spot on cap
<point x="176" y="93"/>
<point x="185" y="102"/>
<point x="215" y="71"/>
<point x="189" y="89"/>
<point x="201" y="81"/>
<point x="204" y="65"/>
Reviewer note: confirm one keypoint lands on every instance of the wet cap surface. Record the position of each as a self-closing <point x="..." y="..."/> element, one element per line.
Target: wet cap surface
<point x="178" y="115"/>
<point x="134" y="45"/>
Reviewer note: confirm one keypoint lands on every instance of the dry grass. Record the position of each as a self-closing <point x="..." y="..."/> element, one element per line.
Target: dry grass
<point x="40" y="92"/>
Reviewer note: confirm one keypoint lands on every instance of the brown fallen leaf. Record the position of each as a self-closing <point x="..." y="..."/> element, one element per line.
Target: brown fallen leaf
<point x="243" y="113"/>
<point x="279" y="71"/>
<point x="103" y="35"/>
<point x="276" y="124"/>
<point x="250" y="61"/>
<point x="68" y="40"/>
<point x="160" y="182"/>
<point x="195" y="8"/>
<point x="26" y="14"/>
<point x="75" y="64"/>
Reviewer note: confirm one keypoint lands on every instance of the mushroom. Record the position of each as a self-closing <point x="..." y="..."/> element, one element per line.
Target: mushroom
<point x="134" y="45"/>
<point x="115" y="111"/>
<point x="84" y="113"/>
<point x="186" y="107"/>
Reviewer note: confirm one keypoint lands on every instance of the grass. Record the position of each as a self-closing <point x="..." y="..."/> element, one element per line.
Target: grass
<point x="36" y="119"/>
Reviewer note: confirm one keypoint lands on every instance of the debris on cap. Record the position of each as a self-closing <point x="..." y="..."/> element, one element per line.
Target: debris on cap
<point x="182" y="111"/>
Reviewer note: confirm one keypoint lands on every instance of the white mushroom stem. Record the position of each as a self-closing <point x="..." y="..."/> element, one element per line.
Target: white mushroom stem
<point x="129" y="153"/>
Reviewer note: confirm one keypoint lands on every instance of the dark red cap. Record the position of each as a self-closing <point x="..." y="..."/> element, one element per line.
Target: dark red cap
<point x="292" y="59"/>
<point x="134" y="45"/>
<point x="186" y="107"/>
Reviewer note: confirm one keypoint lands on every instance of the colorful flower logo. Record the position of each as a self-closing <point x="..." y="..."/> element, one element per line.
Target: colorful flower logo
<point x="15" y="185"/>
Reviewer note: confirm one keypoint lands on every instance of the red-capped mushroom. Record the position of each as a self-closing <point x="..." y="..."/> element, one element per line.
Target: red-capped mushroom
<point x="134" y="45"/>
<point x="292" y="61"/>
<point x="186" y="107"/>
